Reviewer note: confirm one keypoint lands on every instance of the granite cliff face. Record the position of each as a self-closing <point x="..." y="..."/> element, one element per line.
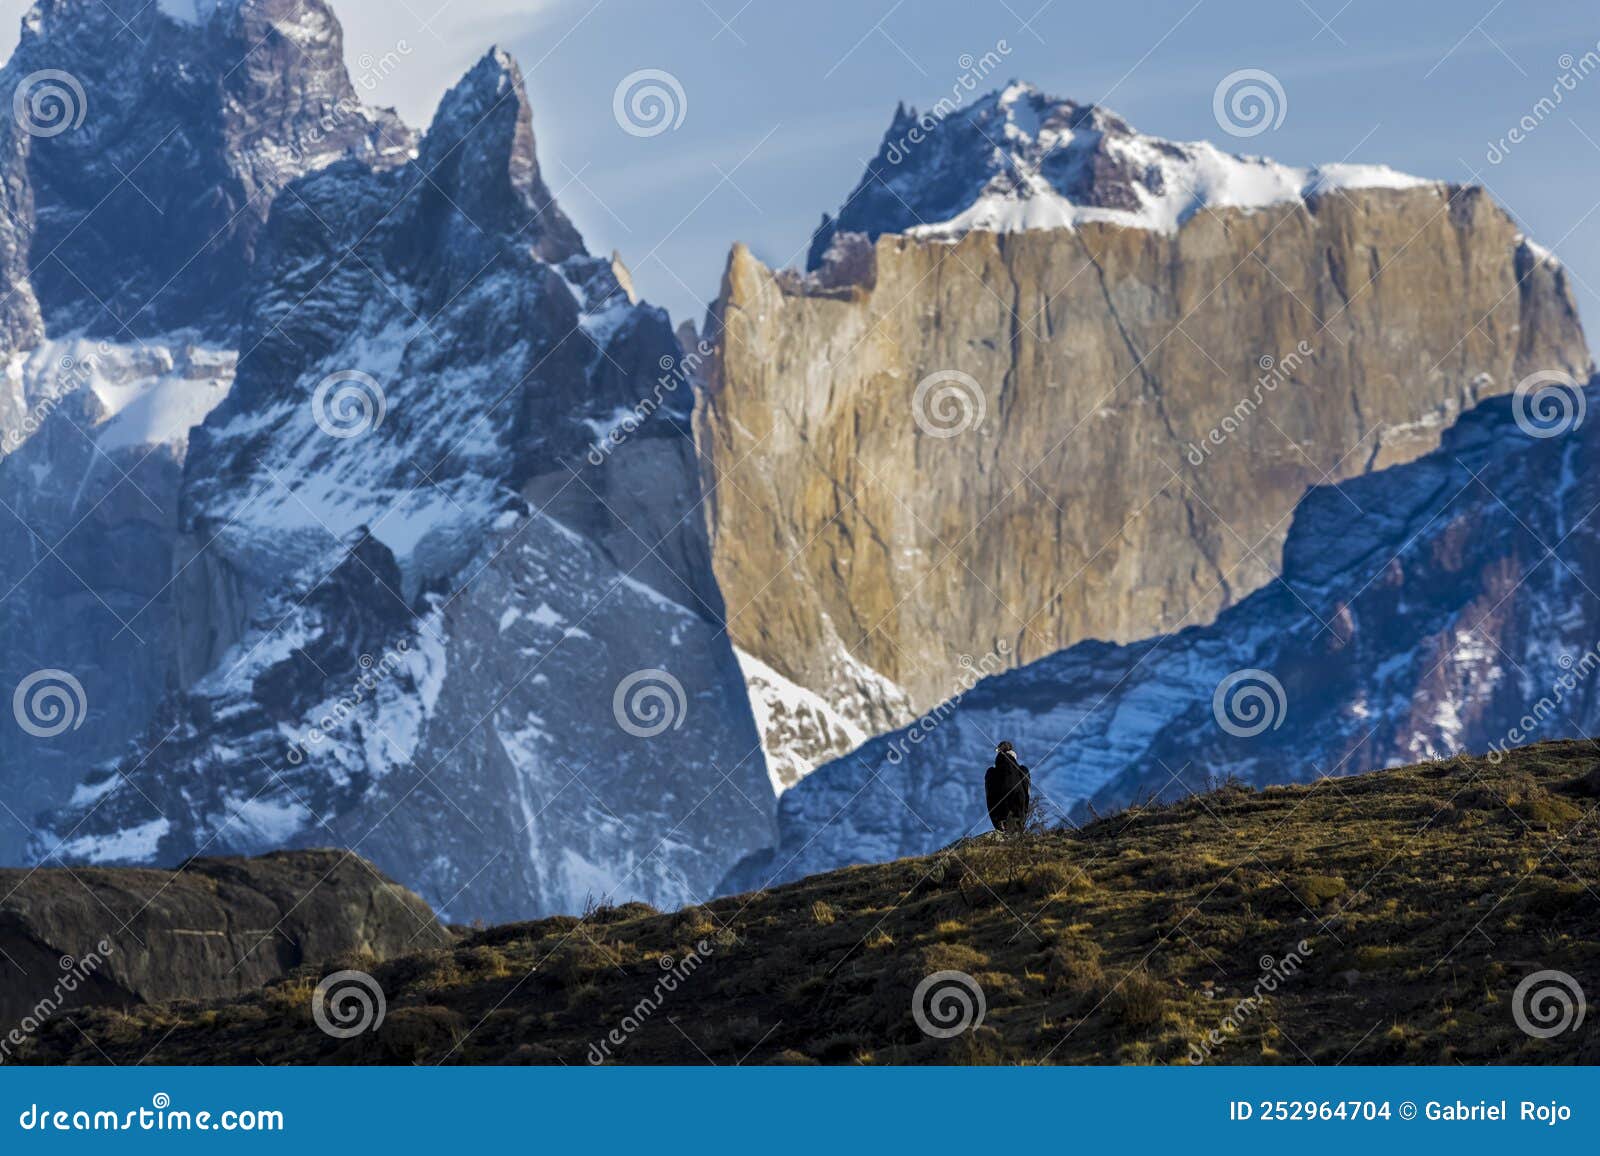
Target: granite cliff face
<point x="1442" y="607"/>
<point x="1076" y="393"/>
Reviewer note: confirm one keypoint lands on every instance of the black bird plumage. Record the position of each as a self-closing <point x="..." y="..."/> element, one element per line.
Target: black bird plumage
<point x="1005" y="788"/>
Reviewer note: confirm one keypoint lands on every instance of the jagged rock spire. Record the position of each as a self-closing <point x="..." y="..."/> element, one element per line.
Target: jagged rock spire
<point x="480" y="154"/>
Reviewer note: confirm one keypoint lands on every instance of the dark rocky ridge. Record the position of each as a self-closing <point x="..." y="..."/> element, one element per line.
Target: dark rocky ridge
<point x="909" y="184"/>
<point x="210" y="929"/>
<point x="145" y="218"/>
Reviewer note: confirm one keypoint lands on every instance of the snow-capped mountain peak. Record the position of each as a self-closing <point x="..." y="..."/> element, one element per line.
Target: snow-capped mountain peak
<point x="1020" y="159"/>
<point x="332" y="559"/>
<point x="480" y="153"/>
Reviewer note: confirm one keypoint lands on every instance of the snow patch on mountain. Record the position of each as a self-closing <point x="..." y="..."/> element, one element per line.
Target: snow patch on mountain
<point x="127" y="394"/>
<point x="129" y="845"/>
<point x="797" y="725"/>
<point x="1018" y="159"/>
<point x="1204" y="177"/>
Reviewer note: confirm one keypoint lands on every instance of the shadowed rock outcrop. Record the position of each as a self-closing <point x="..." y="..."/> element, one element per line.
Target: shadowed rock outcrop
<point x="210" y="929"/>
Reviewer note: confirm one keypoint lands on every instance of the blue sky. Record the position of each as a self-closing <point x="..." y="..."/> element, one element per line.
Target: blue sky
<point x="785" y="101"/>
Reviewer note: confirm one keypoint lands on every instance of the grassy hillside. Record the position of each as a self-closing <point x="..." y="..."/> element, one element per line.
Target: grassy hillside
<point x="1399" y="910"/>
